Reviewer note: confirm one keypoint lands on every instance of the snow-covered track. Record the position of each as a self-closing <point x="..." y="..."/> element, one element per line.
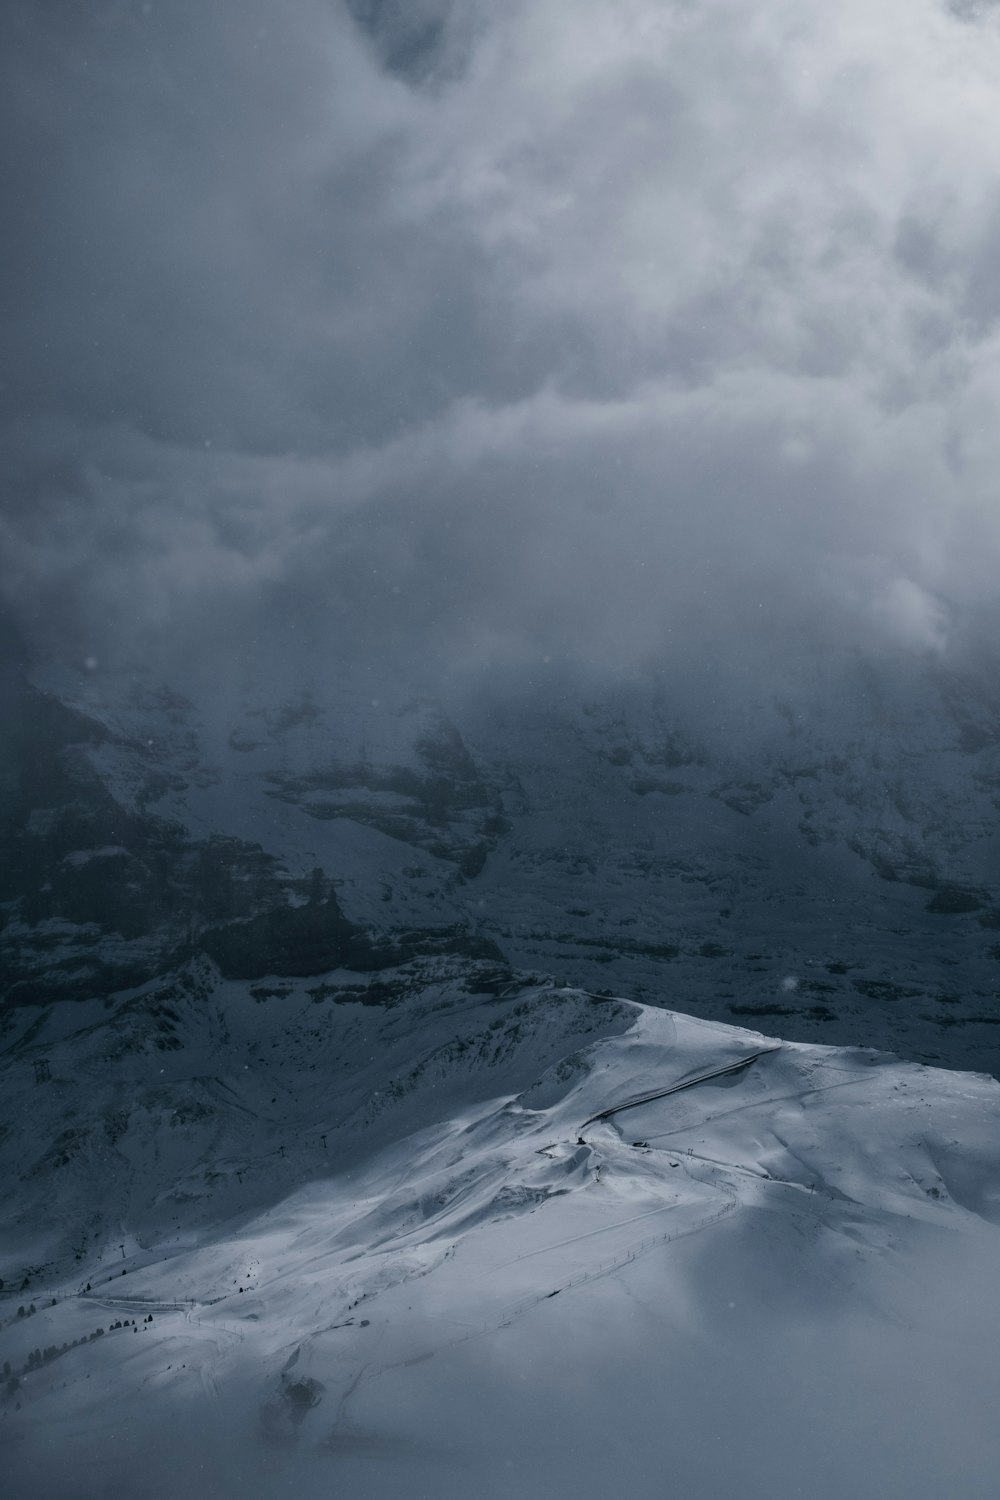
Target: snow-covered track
<point x="675" y="1088"/>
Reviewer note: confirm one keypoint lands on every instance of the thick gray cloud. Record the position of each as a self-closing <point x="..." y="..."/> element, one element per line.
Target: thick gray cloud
<point x="600" y="330"/>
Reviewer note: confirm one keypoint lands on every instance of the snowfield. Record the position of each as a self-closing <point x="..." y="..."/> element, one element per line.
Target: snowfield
<point x="339" y="1249"/>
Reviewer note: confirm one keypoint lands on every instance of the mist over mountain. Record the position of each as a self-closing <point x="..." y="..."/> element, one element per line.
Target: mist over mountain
<point x="499" y="747"/>
<point x="826" y="860"/>
<point x="464" y="337"/>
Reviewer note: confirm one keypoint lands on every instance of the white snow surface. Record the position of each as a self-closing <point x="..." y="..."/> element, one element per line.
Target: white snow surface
<point x="366" y="1251"/>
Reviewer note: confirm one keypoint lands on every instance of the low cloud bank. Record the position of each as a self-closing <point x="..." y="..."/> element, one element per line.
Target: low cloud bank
<point x="463" y="336"/>
<point x="790" y="1367"/>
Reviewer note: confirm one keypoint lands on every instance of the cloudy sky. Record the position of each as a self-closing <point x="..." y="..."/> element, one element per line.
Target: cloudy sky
<point x="614" y="331"/>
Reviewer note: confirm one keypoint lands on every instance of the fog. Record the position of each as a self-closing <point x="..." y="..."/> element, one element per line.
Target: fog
<point x="477" y="335"/>
<point x="750" y="1367"/>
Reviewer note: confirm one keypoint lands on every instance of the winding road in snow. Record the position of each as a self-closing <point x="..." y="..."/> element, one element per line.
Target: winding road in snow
<point x="736" y="1066"/>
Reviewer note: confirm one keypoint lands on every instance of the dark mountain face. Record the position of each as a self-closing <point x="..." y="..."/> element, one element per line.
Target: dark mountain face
<point x="824" y="866"/>
<point x="100" y="895"/>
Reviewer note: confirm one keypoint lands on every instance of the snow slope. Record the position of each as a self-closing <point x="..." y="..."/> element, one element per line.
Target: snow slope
<point x="315" y="1179"/>
<point x="423" y="1249"/>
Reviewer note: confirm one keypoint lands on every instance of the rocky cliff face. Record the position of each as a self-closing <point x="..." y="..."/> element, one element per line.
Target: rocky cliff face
<point x="823" y="862"/>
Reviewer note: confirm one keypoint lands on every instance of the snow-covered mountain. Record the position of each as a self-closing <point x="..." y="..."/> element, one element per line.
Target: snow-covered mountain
<point x="822" y="862"/>
<point x="542" y="1243"/>
<point x="320" y="1003"/>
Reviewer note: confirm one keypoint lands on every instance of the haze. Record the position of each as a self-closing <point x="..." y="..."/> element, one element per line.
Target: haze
<point x="470" y="335"/>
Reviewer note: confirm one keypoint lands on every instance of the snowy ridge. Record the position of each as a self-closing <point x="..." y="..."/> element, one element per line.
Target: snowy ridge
<point x="321" y="1291"/>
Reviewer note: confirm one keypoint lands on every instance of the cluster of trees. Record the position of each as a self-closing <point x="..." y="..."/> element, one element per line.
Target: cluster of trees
<point x="23" y="1287"/>
<point x="39" y="1356"/>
